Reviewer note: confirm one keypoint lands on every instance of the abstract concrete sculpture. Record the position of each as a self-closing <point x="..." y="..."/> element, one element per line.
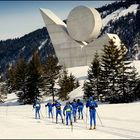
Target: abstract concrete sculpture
<point x="75" y="43"/>
<point x="84" y="23"/>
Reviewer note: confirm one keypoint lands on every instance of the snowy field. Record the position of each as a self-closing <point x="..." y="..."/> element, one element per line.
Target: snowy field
<point x="120" y="121"/>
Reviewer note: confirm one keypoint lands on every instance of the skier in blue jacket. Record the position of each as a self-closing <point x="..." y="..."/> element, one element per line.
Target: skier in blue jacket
<point x="92" y="105"/>
<point x="58" y="111"/>
<point x="50" y="109"/>
<point x="80" y="107"/>
<point x="74" y="108"/>
<point x="68" y="110"/>
<point x="37" y="107"/>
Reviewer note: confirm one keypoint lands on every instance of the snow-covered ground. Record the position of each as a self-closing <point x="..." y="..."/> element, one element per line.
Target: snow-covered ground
<point x="120" y="121"/>
<point x="81" y="74"/>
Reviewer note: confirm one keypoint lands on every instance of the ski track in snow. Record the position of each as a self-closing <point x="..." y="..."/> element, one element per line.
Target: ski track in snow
<point x="19" y="122"/>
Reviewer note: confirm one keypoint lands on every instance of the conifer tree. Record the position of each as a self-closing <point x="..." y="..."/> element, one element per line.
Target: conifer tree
<point x="11" y="79"/>
<point x="133" y="84"/>
<point x="73" y="82"/>
<point x="92" y="86"/>
<point x="117" y="73"/>
<point x="21" y="79"/>
<point x="123" y="83"/>
<point x="110" y="63"/>
<point x="67" y="84"/>
<point x="77" y="84"/>
<point x="64" y="85"/>
<point x="3" y="91"/>
<point x="137" y="90"/>
<point x="128" y="79"/>
<point x="34" y="80"/>
<point x="87" y="88"/>
<point x="51" y="71"/>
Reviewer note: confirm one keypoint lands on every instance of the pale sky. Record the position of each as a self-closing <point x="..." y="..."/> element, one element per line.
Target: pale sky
<point x="18" y="18"/>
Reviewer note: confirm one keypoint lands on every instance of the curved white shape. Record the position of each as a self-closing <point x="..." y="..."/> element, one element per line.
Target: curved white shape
<point x="72" y="53"/>
<point x="67" y="50"/>
<point x="83" y="23"/>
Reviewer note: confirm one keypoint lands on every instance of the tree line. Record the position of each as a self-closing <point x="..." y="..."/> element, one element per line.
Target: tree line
<point x="111" y="78"/>
<point x="33" y="80"/>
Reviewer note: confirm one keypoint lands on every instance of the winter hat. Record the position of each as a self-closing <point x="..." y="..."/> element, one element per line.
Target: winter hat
<point x="91" y="98"/>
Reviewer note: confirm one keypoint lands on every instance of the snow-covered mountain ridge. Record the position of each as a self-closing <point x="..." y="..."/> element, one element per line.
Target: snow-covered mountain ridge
<point x="120" y="17"/>
<point x="122" y="12"/>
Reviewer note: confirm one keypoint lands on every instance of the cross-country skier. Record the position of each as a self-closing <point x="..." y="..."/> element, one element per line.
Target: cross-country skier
<point x="68" y="110"/>
<point x="37" y="107"/>
<point x="74" y="109"/>
<point x="91" y="103"/>
<point x="58" y="111"/>
<point x="80" y="107"/>
<point x="50" y="109"/>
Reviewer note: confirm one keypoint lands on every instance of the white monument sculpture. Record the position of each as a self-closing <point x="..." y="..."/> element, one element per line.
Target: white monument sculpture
<point x="76" y="42"/>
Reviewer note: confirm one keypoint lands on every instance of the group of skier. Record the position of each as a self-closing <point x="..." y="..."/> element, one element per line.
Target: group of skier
<point x="69" y="111"/>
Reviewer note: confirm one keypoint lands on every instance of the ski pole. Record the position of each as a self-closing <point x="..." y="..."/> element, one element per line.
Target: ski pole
<point x="46" y="111"/>
<point x="52" y="114"/>
<point x="86" y="116"/>
<point x="71" y="126"/>
<point x="99" y="119"/>
<point x="41" y="114"/>
<point x="85" y="122"/>
<point x="64" y="119"/>
<point x="71" y="120"/>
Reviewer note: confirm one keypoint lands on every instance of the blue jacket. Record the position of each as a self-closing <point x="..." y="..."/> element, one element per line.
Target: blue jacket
<point x="80" y="105"/>
<point x="36" y="105"/>
<point x="49" y="105"/>
<point x="57" y="105"/>
<point x="74" y="105"/>
<point x="91" y="104"/>
<point x="67" y="108"/>
<point x="88" y="102"/>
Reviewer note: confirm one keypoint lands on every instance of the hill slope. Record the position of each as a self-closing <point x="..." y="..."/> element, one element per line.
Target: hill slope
<point x="12" y="49"/>
<point x="121" y="17"/>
